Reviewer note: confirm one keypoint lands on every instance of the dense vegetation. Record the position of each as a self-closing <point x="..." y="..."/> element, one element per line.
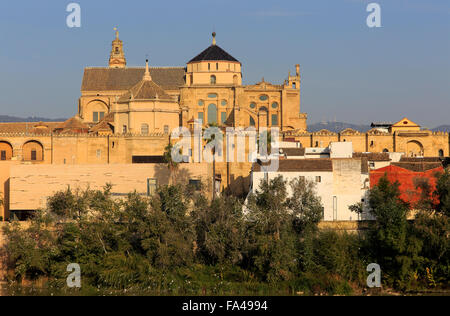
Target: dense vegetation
<point x="178" y="242"/>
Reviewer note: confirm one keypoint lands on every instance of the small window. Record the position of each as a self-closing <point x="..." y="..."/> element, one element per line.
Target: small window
<point x="144" y="129"/>
<point x="99" y="153"/>
<point x="223" y="117"/>
<point x="117" y="50"/>
<point x="209" y="66"/>
<point x="213" y="79"/>
<point x="224" y="102"/>
<point x="201" y="103"/>
<point x="274" y="119"/>
<point x="166" y="129"/>
<point x="101" y="115"/>
<point x="124" y="129"/>
<point x="385" y="150"/>
<point x="252" y="105"/>
<point x="274" y="105"/>
<point x="372" y="164"/>
<point x="212" y="96"/>
<point x="372" y="143"/>
<point x="33" y="155"/>
<point x="317" y="144"/>
<point x="196" y="184"/>
<point x="264" y="97"/>
<point x="441" y="153"/>
<point x="3" y="155"/>
<point x="294" y="85"/>
<point x="318" y="179"/>
<point x="252" y="121"/>
<point x="217" y="66"/>
<point x="95" y="117"/>
<point x="152" y="185"/>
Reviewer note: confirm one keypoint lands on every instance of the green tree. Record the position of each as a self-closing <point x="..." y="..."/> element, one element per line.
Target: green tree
<point x="220" y="230"/>
<point x="389" y="242"/>
<point x="443" y="192"/>
<point x="271" y="237"/>
<point x="307" y="212"/>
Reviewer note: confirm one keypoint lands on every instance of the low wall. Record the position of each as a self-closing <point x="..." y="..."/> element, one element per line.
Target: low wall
<point x="347" y="226"/>
<point x="30" y="186"/>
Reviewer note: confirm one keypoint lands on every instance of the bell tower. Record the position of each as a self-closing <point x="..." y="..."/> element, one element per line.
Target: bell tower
<point x="117" y="57"/>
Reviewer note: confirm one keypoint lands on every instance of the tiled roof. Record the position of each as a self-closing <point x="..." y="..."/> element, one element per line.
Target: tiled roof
<point x="418" y="166"/>
<point x="372" y="156"/>
<point x="301" y="165"/>
<point x="105" y="124"/>
<point x="145" y="90"/>
<point x="213" y="53"/>
<point x="293" y="151"/>
<point x="72" y="125"/>
<point x="107" y="79"/>
<point x="28" y="127"/>
<point x="424" y="159"/>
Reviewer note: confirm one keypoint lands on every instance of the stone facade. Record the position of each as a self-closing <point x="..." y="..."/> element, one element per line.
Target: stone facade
<point x="126" y="113"/>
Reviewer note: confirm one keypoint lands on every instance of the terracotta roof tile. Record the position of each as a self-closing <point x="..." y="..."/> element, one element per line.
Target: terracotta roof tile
<point x="293" y="151"/>
<point x="372" y="156"/>
<point x="107" y="79"/>
<point x="28" y="127"/>
<point x="299" y="165"/>
<point x="418" y="166"/>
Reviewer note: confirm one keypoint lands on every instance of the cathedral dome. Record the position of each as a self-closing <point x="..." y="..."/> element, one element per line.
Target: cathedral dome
<point x="213" y="53"/>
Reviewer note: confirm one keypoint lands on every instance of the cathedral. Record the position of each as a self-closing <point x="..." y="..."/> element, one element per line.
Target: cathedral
<point x="126" y="114"/>
<point x="122" y="100"/>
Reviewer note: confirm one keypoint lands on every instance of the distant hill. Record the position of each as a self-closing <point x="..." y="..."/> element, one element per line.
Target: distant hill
<point x="8" y="119"/>
<point x="337" y="127"/>
<point x="442" y="128"/>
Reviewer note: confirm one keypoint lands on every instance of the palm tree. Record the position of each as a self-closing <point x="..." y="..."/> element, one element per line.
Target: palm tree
<point x="213" y="137"/>
<point x="172" y="165"/>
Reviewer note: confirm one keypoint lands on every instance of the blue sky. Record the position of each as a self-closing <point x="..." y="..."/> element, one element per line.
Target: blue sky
<point x="350" y="72"/>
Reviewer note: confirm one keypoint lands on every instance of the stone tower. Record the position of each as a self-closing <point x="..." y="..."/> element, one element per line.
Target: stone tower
<point x="117" y="58"/>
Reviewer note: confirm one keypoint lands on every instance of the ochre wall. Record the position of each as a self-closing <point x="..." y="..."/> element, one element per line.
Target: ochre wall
<point x="31" y="185"/>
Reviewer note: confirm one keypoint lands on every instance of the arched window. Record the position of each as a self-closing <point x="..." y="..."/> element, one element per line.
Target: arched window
<point x="252" y="121"/>
<point x="33" y="151"/>
<point x="212" y="114"/>
<point x="385" y="150"/>
<point x="6" y="151"/>
<point x="213" y="79"/>
<point x="441" y="153"/>
<point x="144" y="129"/>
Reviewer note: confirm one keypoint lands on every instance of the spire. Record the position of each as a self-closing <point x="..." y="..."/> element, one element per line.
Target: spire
<point x="117" y="57"/>
<point x="214" y="38"/>
<point x="147" y="75"/>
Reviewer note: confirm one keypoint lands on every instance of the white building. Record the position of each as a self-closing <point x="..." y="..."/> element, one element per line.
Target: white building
<point x="340" y="182"/>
